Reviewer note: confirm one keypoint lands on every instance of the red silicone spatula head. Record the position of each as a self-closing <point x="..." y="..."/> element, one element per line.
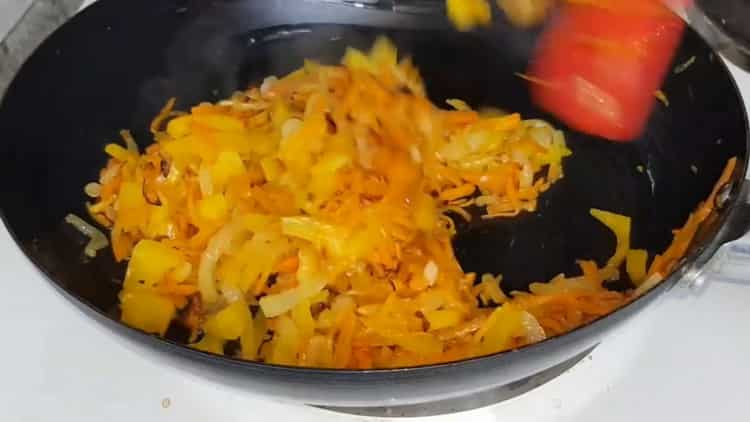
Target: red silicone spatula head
<point x="600" y="62"/>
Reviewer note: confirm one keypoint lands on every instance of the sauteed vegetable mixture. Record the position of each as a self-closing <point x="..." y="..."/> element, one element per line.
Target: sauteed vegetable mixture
<point x="308" y="221"/>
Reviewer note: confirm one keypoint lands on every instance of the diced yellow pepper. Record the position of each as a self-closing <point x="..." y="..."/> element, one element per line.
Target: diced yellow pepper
<point x="431" y="300"/>
<point x="219" y="122"/>
<point x="330" y="163"/>
<point x="149" y="263"/>
<point x="210" y="344"/>
<point x="467" y="14"/>
<point x="118" y="152"/>
<point x="321" y="297"/>
<point x="244" y="142"/>
<point x="295" y="151"/>
<point x="260" y="222"/>
<point x="182" y="272"/>
<point x="179" y="127"/>
<point x="229" y="270"/>
<point x="489" y="290"/>
<point x="424" y="344"/>
<point x="213" y="208"/>
<point x="443" y="318"/>
<point x="146" y="311"/>
<point x="527" y="13"/>
<point x="272" y="168"/>
<point x="323" y="175"/>
<point x="500" y="329"/>
<point x="384" y="53"/>
<point x="504" y="123"/>
<point x="357" y="60"/>
<point x="279" y="114"/>
<point x="620" y="226"/>
<point x="252" y="337"/>
<point x="319" y="352"/>
<point x="636" y="265"/>
<point x="303" y="319"/>
<point x="362" y="242"/>
<point x="228" y="165"/>
<point x="311" y="67"/>
<point x="230" y="322"/>
<point x="132" y="207"/>
<point x="286" y="342"/>
<point x="181" y="151"/>
<point x="459" y="105"/>
<point x="325" y="320"/>
<point x="159" y="223"/>
<point x="262" y="142"/>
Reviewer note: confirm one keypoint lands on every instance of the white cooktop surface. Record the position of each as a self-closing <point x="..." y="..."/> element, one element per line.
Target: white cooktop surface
<point x="685" y="357"/>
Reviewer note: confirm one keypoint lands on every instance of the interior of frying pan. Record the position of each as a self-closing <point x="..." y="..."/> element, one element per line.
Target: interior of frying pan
<point x="114" y="67"/>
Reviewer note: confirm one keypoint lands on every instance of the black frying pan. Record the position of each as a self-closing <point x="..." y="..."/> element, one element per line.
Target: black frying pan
<point x="115" y="65"/>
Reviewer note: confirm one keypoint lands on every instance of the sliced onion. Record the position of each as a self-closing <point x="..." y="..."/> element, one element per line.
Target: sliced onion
<point x="219" y="244"/>
<point x="366" y="152"/>
<point x="277" y="304"/>
<point x="539" y="123"/>
<point x="431" y="272"/>
<point x="93" y="189"/>
<point x="205" y="181"/>
<point x="558" y="138"/>
<point x="416" y="155"/>
<point x="290" y="126"/>
<point x="476" y="141"/>
<point x="109" y="173"/>
<point x="519" y="157"/>
<point x="542" y="136"/>
<point x="455" y="150"/>
<point x="97" y="240"/>
<point x="485" y="200"/>
<point x="534" y="331"/>
<point x="129" y="141"/>
<point x="649" y="284"/>
<point x="182" y="272"/>
<point x="243" y="106"/>
<point x="267" y="85"/>
<point x="526" y="178"/>
<point x="231" y="294"/>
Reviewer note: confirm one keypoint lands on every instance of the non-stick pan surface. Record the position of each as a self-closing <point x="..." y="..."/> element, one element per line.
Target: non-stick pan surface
<point x="115" y="65"/>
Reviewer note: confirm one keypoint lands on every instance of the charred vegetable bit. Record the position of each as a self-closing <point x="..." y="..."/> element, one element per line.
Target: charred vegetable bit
<point x="305" y="222"/>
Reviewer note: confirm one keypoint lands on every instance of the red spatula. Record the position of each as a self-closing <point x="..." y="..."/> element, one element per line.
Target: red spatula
<point x="600" y="62"/>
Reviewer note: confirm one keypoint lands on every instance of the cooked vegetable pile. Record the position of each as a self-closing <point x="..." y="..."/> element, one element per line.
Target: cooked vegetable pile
<point x="309" y="222"/>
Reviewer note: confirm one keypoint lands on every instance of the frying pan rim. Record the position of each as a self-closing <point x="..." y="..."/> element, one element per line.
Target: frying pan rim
<point x="711" y="245"/>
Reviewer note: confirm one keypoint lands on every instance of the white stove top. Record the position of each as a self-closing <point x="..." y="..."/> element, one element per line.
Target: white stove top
<point x="685" y="357"/>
